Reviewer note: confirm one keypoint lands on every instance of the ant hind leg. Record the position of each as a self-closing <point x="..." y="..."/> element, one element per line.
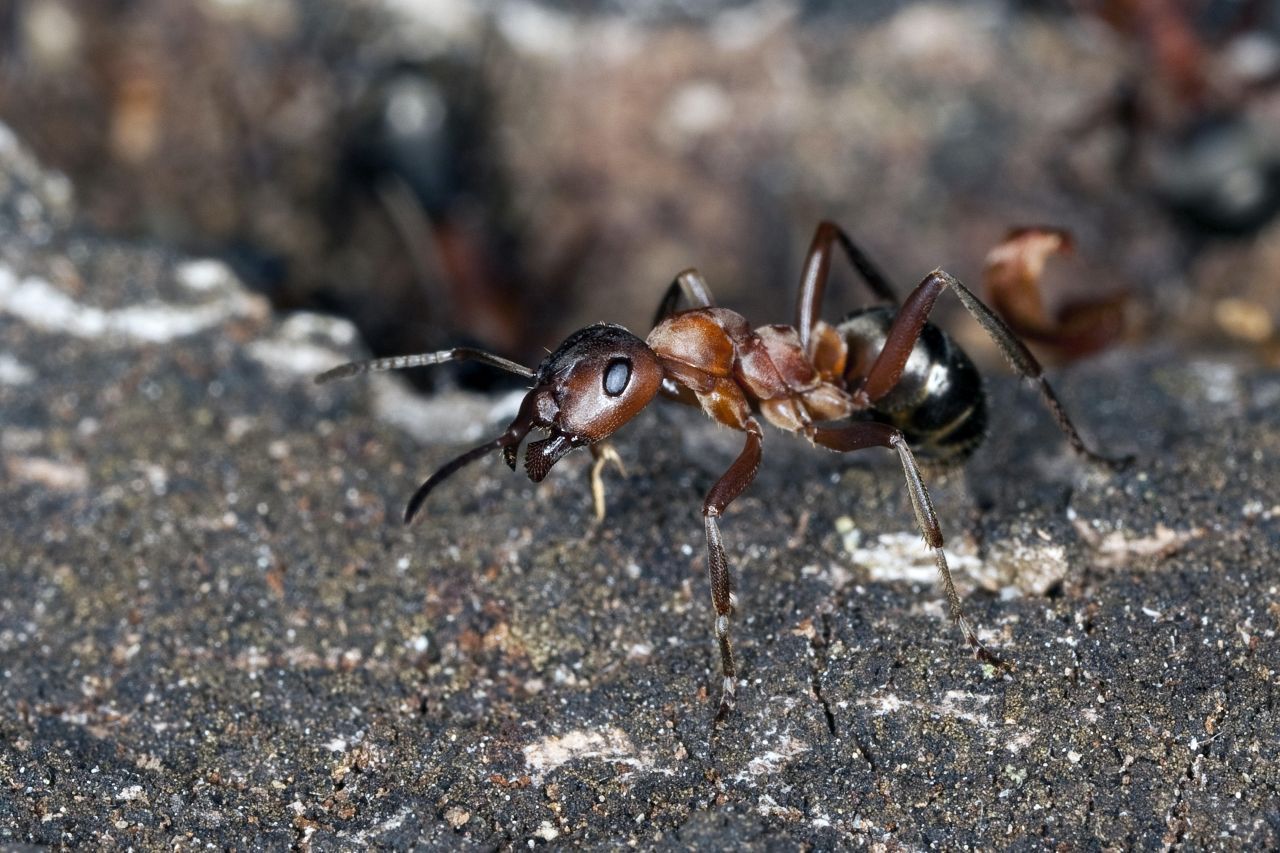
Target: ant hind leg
<point x="905" y="331"/>
<point x="863" y="434"/>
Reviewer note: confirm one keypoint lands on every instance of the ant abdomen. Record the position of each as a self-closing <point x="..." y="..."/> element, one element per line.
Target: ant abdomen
<point x="938" y="403"/>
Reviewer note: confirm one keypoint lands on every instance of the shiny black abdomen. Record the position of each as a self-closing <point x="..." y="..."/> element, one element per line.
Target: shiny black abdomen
<point x="939" y="402"/>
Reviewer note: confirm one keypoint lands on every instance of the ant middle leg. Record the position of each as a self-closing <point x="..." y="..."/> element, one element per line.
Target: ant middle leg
<point x="728" y="487"/>
<point x="693" y="287"/>
<point x="887" y="369"/>
<point x="817" y="267"/>
<point x="863" y="434"/>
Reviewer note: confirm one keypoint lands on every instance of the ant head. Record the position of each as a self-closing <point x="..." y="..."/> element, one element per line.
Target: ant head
<point x="596" y="381"/>
<point x="600" y="378"/>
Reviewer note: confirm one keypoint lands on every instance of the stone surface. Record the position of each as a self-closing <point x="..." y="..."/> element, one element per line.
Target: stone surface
<point x="214" y="629"/>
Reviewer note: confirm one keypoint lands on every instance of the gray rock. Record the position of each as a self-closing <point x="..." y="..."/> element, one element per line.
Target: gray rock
<point x="214" y="629"/>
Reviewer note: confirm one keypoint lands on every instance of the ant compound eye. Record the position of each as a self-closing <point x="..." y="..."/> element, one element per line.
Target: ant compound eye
<point x="616" y="376"/>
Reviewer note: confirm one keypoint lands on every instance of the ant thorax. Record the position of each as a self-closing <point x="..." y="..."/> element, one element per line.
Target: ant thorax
<point x="733" y="369"/>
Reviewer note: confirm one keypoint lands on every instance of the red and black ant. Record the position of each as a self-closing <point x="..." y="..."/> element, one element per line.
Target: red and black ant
<point x="882" y="377"/>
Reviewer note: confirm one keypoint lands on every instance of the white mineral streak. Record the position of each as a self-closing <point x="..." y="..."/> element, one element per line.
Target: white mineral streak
<point x="952" y="704"/>
<point x="905" y="557"/>
<point x="772" y="760"/>
<point x="66" y="477"/>
<point x="14" y="372"/>
<point x="43" y="306"/>
<point x="610" y="744"/>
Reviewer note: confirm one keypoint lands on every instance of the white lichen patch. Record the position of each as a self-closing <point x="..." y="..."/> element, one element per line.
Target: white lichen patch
<point x="904" y="556"/>
<point x="956" y="704"/>
<point x="309" y="326"/>
<point x="546" y="831"/>
<point x="608" y="744"/>
<point x="1118" y="548"/>
<point x="1020" y="741"/>
<point x="772" y="760"/>
<point x="66" y="477"/>
<point x="205" y="274"/>
<point x="292" y="359"/>
<point x="769" y="807"/>
<point x="1219" y="384"/>
<point x="41" y="305"/>
<point x="131" y="793"/>
<point x="693" y="111"/>
<point x="1032" y="567"/>
<point x="14" y="372"/>
<point x="304" y="345"/>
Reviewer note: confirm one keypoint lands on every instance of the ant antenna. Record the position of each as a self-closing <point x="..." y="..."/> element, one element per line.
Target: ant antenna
<point x="420" y="496"/>
<point x="426" y="359"/>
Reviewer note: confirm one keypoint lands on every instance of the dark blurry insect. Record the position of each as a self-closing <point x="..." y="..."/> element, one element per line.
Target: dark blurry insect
<point x="882" y="377"/>
<point x="419" y="166"/>
<point x="1193" y="115"/>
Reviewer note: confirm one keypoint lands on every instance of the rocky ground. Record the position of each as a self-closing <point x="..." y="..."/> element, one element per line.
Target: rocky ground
<point x="214" y="629"/>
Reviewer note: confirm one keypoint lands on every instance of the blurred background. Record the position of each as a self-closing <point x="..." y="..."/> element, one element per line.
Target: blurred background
<point x="501" y="172"/>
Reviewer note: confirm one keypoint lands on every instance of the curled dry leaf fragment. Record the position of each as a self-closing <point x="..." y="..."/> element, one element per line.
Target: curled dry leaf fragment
<point x="1012" y="277"/>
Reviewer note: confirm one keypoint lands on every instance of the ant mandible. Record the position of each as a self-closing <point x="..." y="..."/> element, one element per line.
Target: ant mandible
<point x="893" y="379"/>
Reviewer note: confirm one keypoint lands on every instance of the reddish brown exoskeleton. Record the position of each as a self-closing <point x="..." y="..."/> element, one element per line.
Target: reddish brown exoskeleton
<point x="882" y="377"/>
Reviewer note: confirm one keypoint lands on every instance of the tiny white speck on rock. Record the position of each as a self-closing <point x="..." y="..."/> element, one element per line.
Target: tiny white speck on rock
<point x="204" y="274"/>
<point x="14" y="372"/>
<point x="546" y="831"/>
<point x="131" y="793"/>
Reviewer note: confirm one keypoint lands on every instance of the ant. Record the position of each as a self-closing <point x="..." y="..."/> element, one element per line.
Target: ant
<point x="882" y="377"/>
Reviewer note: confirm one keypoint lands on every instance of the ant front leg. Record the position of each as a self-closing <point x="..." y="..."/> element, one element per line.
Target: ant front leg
<point x="601" y="454"/>
<point x="905" y="331"/>
<point x="728" y="487"/>
<point x="863" y="434"/>
<point x="817" y="267"/>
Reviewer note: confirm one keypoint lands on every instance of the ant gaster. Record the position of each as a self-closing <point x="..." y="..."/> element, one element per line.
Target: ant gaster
<point x="882" y="377"/>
